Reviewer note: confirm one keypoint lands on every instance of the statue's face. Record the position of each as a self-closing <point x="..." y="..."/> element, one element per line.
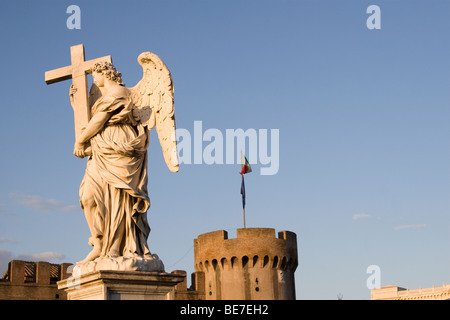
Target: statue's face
<point x="99" y="79"/>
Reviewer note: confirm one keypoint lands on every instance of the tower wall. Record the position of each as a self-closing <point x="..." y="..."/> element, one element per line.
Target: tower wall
<point x="255" y="265"/>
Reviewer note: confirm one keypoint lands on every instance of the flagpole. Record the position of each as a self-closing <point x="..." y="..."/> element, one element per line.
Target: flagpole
<point x="243" y="208"/>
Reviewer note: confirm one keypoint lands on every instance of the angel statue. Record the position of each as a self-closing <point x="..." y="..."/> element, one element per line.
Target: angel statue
<point x="113" y="192"/>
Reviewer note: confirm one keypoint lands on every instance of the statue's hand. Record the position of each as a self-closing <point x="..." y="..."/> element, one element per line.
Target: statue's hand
<point x="78" y="150"/>
<point x="88" y="151"/>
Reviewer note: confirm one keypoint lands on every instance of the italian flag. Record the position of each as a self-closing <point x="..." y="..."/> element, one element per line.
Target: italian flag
<point x="245" y="166"/>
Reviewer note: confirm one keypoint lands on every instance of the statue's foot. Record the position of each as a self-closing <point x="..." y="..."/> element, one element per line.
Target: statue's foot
<point x="94" y="254"/>
<point x="131" y="255"/>
<point x="113" y="253"/>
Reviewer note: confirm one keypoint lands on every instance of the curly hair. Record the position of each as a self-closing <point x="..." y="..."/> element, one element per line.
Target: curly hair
<point x="109" y="71"/>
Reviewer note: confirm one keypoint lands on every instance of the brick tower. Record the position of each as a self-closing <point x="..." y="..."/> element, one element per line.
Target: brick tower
<point x="254" y="266"/>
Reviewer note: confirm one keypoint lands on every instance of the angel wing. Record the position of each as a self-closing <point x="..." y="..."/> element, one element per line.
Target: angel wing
<point x="154" y="105"/>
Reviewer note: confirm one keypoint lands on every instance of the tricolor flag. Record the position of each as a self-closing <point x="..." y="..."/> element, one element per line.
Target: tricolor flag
<point x="245" y="168"/>
<point x="245" y="165"/>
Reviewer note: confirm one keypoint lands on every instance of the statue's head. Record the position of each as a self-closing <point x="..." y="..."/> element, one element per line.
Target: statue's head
<point x="108" y="70"/>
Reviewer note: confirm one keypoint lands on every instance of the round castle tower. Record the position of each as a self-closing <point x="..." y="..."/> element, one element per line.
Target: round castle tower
<point x="254" y="266"/>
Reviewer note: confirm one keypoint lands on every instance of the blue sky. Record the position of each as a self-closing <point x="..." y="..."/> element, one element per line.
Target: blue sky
<point x="363" y="119"/>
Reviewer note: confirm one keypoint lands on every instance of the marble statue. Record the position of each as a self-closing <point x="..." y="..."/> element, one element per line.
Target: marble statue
<point x="115" y="138"/>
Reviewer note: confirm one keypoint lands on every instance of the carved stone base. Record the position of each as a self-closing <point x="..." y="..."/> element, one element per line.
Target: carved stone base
<point x="134" y="263"/>
<point x="121" y="285"/>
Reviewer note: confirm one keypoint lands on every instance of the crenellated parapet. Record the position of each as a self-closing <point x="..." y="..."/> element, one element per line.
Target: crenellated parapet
<point x="253" y="247"/>
<point x="33" y="280"/>
<point x="254" y="265"/>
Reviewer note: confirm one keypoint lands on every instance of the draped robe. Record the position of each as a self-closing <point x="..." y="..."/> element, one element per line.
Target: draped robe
<point x="116" y="178"/>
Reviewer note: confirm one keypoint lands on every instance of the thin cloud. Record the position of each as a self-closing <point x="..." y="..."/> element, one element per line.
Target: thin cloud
<point x="6" y="256"/>
<point x="361" y="216"/>
<point x="41" y="204"/>
<point x="6" y="240"/>
<point x="410" y="226"/>
<point x="43" y="256"/>
<point x="72" y="207"/>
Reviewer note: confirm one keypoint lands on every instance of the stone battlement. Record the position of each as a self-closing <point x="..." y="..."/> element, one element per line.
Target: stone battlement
<point x="256" y="265"/>
<point x="33" y="280"/>
<point x="255" y="247"/>
<point x="391" y="292"/>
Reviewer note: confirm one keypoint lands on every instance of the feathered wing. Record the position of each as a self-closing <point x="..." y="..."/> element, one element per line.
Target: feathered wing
<point x="154" y="105"/>
<point x="94" y="94"/>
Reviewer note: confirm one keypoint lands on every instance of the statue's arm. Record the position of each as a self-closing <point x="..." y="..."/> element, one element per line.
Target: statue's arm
<point x="94" y="126"/>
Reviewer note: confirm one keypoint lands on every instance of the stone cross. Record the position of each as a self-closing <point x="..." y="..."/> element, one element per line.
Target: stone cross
<point x="77" y="71"/>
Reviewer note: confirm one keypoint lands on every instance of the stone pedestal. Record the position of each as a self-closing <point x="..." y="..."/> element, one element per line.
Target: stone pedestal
<point x="121" y="285"/>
